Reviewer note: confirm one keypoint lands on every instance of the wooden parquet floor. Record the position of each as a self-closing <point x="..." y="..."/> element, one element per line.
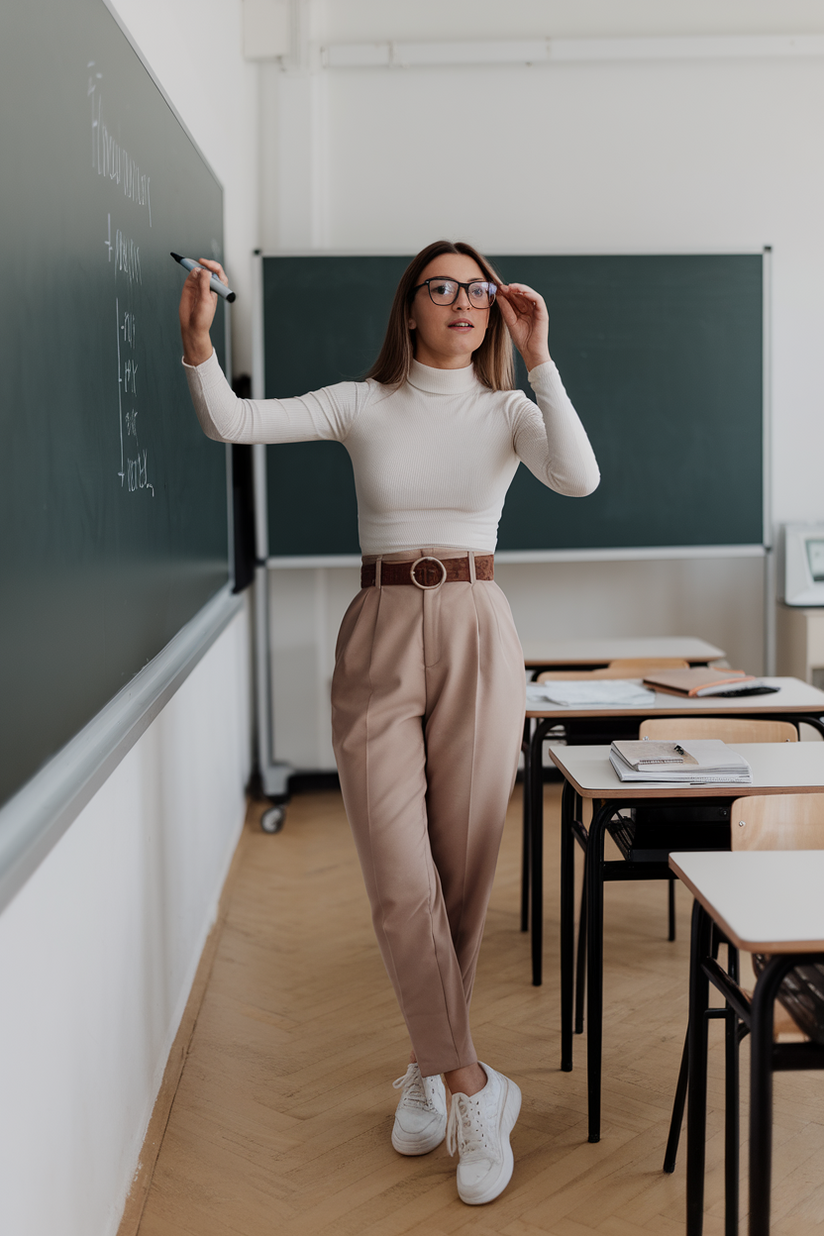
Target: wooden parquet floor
<point x="281" y="1120"/>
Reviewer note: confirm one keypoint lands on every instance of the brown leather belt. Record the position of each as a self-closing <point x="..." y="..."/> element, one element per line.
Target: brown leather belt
<point x="428" y="572"/>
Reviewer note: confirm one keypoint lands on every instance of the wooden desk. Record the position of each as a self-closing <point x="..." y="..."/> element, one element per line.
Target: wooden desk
<point x="540" y="654"/>
<point x="777" y="768"/>
<point x="764" y="902"/>
<point x="794" y="701"/>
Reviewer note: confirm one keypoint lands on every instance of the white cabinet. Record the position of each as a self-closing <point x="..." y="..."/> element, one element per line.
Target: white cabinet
<point x="800" y="643"/>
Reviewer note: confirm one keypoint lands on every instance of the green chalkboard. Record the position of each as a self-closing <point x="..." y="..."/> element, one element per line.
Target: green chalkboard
<point x="113" y="504"/>
<point x="662" y="356"/>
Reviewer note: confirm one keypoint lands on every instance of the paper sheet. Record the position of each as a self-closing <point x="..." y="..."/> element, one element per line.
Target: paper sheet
<point x="590" y="693"/>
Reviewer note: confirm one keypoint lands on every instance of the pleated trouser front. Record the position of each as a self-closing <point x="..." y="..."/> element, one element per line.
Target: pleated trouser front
<point x="427" y="717"/>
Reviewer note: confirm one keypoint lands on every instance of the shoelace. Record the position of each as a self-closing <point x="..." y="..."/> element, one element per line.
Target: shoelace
<point x="414" y="1091"/>
<point x="465" y="1130"/>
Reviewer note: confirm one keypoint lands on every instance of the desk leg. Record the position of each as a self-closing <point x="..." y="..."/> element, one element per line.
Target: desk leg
<point x="732" y="1154"/>
<point x="761" y="1048"/>
<point x="526" y="748"/>
<point x="595" y="964"/>
<point x="581" y="956"/>
<point x="815" y="721"/>
<point x="697" y="1069"/>
<point x="731" y="1123"/>
<point x="568" y="800"/>
<point x="536" y="848"/>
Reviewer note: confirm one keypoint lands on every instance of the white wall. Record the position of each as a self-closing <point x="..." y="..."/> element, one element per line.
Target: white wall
<point x="718" y="155"/>
<point x="195" y="49"/>
<point x="355" y="21"/>
<point x="98" y="950"/>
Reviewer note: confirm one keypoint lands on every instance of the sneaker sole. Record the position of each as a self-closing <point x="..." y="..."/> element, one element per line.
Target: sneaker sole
<point x="510" y="1111"/>
<point x="410" y="1145"/>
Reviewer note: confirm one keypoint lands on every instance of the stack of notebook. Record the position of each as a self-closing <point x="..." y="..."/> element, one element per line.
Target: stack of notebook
<point x="695" y="761"/>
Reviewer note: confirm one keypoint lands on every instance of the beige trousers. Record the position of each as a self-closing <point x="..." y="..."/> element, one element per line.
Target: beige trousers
<point x="427" y="718"/>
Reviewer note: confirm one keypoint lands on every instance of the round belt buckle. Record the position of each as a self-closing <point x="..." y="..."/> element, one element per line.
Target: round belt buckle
<point x="428" y="573"/>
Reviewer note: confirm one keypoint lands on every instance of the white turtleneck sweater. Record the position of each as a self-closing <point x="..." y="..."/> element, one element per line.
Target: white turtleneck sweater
<point x="432" y="459"/>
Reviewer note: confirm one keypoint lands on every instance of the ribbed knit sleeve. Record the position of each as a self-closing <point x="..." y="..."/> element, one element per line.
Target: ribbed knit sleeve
<point x="324" y="414"/>
<point x="551" y="440"/>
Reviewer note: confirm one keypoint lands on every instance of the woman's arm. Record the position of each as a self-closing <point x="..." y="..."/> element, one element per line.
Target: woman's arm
<point x="322" y="415"/>
<point x="527" y="320"/>
<point x="557" y="452"/>
<point x="197" y="311"/>
<point x="550" y="438"/>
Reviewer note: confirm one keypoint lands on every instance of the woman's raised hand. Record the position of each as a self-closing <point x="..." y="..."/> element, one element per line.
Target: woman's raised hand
<point x="527" y="320"/>
<point x="197" y="310"/>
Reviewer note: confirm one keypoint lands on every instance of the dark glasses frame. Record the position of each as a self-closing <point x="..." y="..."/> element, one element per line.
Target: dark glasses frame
<point x="492" y="289"/>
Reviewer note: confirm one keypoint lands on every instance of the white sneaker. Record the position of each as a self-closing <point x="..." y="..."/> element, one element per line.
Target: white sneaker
<point x="420" y="1119"/>
<point x="479" y="1129"/>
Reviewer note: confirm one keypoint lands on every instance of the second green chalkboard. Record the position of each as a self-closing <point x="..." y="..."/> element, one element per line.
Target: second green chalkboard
<point x="662" y="356"/>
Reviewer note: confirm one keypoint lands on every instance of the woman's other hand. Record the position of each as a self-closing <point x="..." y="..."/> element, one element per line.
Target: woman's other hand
<point x="197" y="310"/>
<point x="527" y="320"/>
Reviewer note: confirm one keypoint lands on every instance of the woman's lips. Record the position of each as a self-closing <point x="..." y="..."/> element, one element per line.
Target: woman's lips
<point x="461" y="324"/>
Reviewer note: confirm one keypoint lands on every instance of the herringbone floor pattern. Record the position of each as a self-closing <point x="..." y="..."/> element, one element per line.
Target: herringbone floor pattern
<point x="282" y="1117"/>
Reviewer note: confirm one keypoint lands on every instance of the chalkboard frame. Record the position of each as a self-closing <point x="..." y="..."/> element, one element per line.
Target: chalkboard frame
<point x="758" y="538"/>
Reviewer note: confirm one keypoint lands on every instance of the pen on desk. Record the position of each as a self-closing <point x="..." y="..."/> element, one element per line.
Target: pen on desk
<point x="214" y="283"/>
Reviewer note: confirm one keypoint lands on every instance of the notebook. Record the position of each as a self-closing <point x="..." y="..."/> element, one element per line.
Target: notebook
<point x="700" y="680"/>
<point x="695" y="761"/>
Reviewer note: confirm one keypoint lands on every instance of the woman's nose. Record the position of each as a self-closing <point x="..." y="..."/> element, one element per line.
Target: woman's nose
<point x="462" y="300"/>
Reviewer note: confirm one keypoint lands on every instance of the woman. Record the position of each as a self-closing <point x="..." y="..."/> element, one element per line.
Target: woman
<point x="428" y="690"/>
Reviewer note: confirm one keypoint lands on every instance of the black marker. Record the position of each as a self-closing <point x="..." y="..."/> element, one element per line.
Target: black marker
<point x="214" y="283"/>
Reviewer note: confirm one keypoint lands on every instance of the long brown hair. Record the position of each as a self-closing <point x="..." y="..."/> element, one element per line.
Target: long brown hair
<point x="493" y="360"/>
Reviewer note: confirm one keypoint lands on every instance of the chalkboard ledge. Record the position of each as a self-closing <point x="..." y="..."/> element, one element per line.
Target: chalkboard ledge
<point x="34" y="820"/>
<point x="632" y="554"/>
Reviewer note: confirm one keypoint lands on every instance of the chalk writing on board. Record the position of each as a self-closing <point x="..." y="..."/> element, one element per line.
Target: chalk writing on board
<point x="127" y="258"/>
<point x="134" y="459"/>
<point x="122" y="254"/>
<point x="109" y="157"/>
<point x="125" y="254"/>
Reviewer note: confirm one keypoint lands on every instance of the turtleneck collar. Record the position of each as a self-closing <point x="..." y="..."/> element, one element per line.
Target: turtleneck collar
<point x="441" y="381"/>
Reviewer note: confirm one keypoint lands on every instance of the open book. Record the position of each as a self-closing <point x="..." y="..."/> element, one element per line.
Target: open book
<point x="700" y="680"/>
<point x="695" y="761"/>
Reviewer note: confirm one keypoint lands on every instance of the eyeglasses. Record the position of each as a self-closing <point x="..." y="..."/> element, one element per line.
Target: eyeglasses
<point x="445" y="291"/>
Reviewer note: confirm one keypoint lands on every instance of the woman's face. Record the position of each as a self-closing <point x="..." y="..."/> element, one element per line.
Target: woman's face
<point x="447" y="335"/>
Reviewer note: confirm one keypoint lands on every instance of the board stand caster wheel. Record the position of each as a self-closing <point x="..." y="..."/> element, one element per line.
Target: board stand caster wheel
<point x="273" y="819"/>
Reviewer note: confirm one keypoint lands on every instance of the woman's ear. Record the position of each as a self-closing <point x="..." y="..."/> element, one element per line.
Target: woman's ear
<point x="411" y="324"/>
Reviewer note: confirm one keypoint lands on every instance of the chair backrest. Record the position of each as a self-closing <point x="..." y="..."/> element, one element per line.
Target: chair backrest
<point x="786" y="822"/>
<point x="636" y="667"/>
<point x="570" y="675"/>
<point x="778" y="822"/>
<point x="623" y="668"/>
<point x="729" y="729"/>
